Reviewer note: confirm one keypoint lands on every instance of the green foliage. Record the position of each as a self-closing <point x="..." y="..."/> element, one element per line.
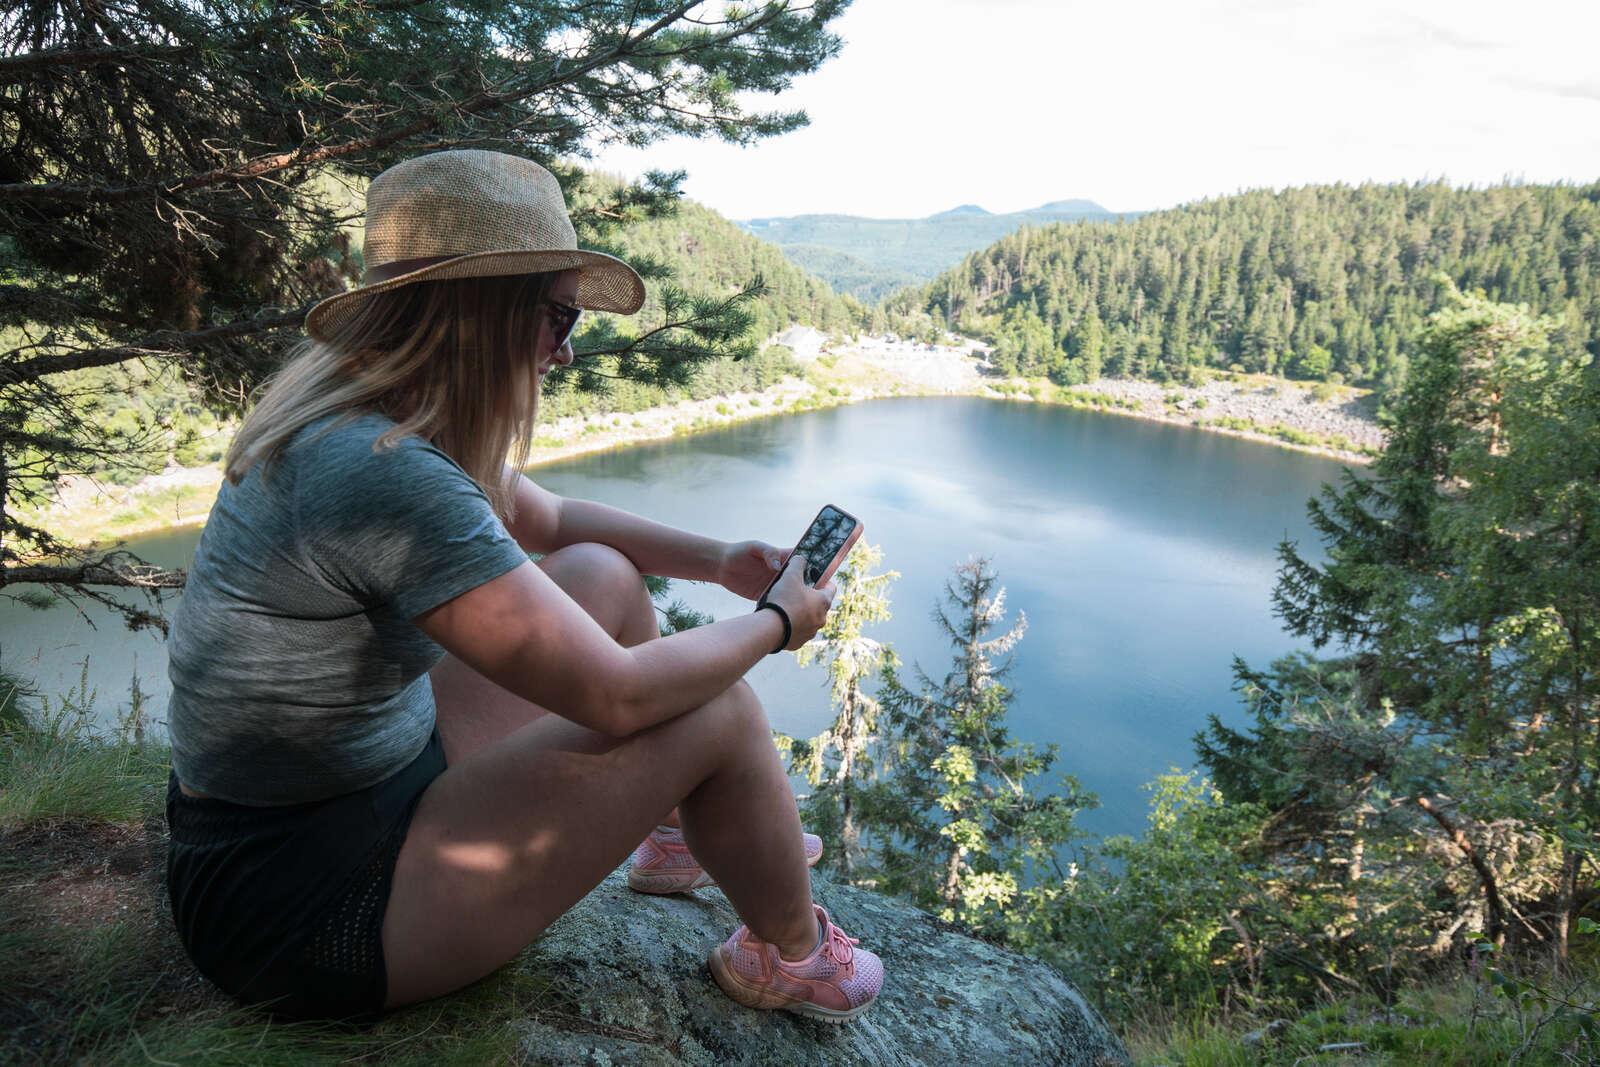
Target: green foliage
<point x="836" y="761"/>
<point x="1156" y="925"/>
<point x="15" y="696"/>
<point x="717" y="377"/>
<point x="1444" y="1023"/>
<point x="710" y="254"/>
<point x="676" y="616"/>
<point x="1439" y="775"/>
<point x="181" y="207"/>
<point x="1307" y="282"/>
<point x="58" y="767"/>
<point x="958" y="821"/>
<point x="848" y="274"/>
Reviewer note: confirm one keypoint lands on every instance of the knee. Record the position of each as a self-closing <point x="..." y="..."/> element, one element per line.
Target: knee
<point x="596" y="569"/>
<point x="746" y="718"/>
<point x="595" y="563"/>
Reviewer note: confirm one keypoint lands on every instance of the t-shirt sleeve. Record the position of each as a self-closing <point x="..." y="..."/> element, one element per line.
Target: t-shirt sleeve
<point x="403" y="526"/>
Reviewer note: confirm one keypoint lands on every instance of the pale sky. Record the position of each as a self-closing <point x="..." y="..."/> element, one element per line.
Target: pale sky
<point x="1143" y="104"/>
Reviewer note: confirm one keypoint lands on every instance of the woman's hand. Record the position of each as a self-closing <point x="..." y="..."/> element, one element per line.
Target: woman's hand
<point x="747" y="566"/>
<point x="806" y="607"/>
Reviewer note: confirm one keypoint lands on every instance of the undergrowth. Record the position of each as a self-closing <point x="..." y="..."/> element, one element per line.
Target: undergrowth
<point x="1461" y="1022"/>
<point x="54" y="763"/>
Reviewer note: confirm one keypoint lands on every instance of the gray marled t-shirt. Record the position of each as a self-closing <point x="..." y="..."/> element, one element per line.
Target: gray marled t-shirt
<point x="296" y="672"/>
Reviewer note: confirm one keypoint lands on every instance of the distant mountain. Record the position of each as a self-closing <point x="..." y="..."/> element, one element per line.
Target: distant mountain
<point x="868" y="258"/>
<point x="1070" y="209"/>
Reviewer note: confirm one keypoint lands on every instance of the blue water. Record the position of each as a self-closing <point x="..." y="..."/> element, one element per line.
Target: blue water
<point x="1142" y="554"/>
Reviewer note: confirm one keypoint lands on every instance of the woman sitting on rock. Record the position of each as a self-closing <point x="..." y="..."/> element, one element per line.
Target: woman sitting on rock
<point x="370" y="804"/>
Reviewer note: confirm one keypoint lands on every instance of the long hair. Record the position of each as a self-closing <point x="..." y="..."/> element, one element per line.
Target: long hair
<point x="450" y="361"/>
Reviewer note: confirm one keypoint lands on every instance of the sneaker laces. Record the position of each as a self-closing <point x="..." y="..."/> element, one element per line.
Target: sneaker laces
<point x="836" y="946"/>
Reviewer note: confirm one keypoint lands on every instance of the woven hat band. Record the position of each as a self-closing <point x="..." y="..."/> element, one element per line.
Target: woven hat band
<point x="383" y="272"/>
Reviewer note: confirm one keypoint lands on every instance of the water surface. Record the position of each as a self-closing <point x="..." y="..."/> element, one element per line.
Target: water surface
<point x="1143" y="555"/>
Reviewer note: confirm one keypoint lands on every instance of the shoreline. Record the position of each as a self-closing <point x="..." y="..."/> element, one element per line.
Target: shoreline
<point x="852" y="373"/>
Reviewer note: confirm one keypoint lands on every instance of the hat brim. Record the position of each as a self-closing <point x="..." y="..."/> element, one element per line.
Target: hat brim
<point x="605" y="283"/>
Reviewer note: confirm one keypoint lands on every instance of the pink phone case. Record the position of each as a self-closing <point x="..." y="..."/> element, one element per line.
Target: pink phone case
<point x="838" y="557"/>
<point x="844" y="550"/>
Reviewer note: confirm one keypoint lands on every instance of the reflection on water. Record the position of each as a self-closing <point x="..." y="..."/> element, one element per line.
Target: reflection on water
<point x="1143" y="555"/>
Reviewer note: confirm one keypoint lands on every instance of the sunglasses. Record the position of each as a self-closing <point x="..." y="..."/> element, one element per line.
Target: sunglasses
<point x="563" y="320"/>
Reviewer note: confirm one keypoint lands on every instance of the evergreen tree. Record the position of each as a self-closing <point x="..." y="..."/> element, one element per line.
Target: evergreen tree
<point x="1087" y="345"/>
<point x="1460" y="576"/>
<point x="835" y="762"/>
<point x="1309" y="282"/>
<point x="174" y="187"/>
<point x="957" y="820"/>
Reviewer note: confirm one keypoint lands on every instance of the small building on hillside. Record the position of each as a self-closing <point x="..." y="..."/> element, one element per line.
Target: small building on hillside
<point x="804" y="341"/>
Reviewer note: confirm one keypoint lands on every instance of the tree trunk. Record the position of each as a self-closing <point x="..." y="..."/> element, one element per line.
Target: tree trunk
<point x="848" y="835"/>
<point x="952" y="878"/>
<point x="1496" y="931"/>
<point x="847" y="763"/>
<point x="1572" y="801"/>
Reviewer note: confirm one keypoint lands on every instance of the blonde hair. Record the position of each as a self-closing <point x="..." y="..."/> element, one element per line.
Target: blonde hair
<point x="450" y="361"/>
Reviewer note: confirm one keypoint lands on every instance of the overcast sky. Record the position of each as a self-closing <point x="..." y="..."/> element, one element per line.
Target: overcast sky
<point x="1141" y="104"/>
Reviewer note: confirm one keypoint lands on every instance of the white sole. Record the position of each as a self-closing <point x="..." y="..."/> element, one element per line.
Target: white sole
<point x="767" y="1000"/>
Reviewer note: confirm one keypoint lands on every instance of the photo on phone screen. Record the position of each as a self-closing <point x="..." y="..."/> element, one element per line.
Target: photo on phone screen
<point x="823" y="540"/>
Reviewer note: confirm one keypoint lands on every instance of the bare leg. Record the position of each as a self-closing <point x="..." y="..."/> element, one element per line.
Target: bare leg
<point x="474" y="712"/>
<point x="535" y="810"/>
<point x="515" y="834"/>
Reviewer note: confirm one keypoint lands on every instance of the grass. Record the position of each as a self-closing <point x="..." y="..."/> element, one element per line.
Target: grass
<point x="54" y="765"/>
<point x="1088" y="398"/>
<point x="91" y="970"/>
<point x="1447" y="1023"/>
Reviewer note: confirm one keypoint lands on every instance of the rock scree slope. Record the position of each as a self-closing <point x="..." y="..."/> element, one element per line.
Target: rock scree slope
<point x="631" y="971"/>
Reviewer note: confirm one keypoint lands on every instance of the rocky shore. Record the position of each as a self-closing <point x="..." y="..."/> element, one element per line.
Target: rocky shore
<point x="1331" y="414"/>
<point x="1330" y="420"/>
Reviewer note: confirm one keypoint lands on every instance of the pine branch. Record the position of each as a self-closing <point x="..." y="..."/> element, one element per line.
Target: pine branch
<point x="303" y="156"/>
<point x="160" y="343"/>
<point x="15" y="68"/>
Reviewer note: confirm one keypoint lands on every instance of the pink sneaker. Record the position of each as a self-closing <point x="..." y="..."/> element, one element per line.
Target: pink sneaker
<point x="836" y="982"/>
<point x="663" y="863"/>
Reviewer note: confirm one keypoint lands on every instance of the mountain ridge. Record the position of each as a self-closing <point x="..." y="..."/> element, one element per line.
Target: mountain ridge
<point x="1078" y="206"/>
<point x="867" y="257"/>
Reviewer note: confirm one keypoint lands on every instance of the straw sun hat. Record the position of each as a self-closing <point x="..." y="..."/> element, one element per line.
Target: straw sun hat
<point x="474" y="214"/>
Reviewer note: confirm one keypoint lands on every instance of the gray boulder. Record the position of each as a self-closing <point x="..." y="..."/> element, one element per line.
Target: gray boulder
<point x="628" y="984"/>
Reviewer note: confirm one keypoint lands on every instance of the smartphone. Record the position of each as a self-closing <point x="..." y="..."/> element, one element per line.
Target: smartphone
<point x="825" y="544"/>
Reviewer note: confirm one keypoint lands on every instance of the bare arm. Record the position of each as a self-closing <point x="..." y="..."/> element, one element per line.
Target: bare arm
<point x="522" y="632"/>
<point x="545" y="522"/>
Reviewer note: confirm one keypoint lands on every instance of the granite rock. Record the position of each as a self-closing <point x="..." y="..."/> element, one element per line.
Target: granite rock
<point x="629" y="985"/>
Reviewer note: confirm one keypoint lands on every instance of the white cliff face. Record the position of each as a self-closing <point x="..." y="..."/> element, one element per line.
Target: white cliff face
<point x="629" y="985"/>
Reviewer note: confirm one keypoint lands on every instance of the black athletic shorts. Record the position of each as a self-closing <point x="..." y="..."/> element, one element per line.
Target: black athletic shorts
<point x="283" y="906"/>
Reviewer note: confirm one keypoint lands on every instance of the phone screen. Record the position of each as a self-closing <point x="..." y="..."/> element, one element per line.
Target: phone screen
<point x="822" y="542"/>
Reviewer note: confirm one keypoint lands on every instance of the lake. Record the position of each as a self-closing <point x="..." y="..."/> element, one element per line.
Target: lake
<point x="1143" y="555"/>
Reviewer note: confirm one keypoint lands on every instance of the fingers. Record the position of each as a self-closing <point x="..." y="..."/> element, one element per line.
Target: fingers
<point x="807" y="607"/>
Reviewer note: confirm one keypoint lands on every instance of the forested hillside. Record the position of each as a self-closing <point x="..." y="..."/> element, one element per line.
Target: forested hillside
<point x="1309" y="282"/>
<point x="710" y="254"/>
<point x="706" y="255"/>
